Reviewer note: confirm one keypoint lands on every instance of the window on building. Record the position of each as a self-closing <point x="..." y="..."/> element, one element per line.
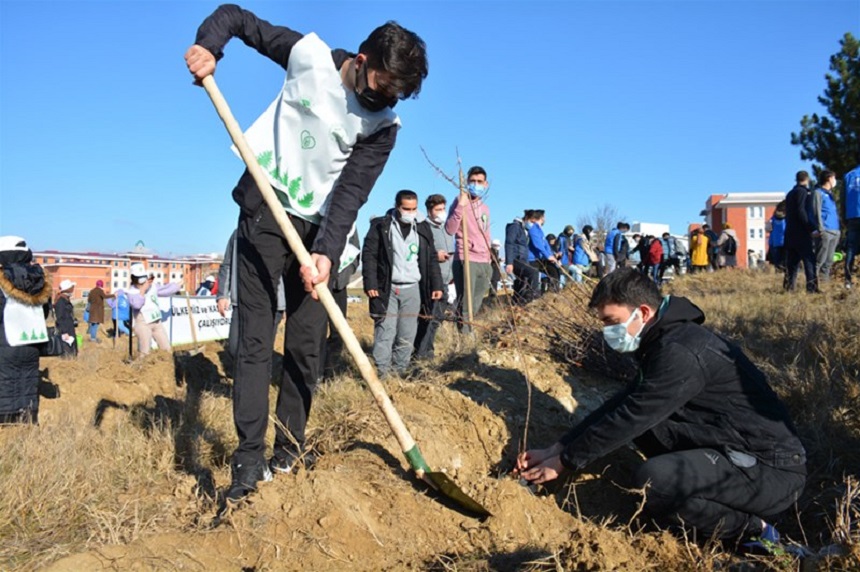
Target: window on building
<point x="751" y="212"/>
<point x="752" y="233"/>
<point x="125" y="273"/>
<point x="116" y="284"/>
<point x="761" y="233"/>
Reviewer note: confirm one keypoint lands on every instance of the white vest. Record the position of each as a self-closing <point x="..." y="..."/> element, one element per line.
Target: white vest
<point x="23" y="324"/>
<point x="149" y="312"/>
<point x="305" y="137"/>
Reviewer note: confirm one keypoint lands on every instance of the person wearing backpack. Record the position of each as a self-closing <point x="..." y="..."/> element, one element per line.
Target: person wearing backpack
<point x="728" y="248"/>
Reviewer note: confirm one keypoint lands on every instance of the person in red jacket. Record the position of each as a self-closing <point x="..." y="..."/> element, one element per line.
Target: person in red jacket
<point x="655" y="258"/>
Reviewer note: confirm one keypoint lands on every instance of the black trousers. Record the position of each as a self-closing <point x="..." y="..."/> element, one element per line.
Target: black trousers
<point x="794" y="255"/>
<point x="704" y="490"/>
<point x="425" y="337"/>
<point x="333" y="345"/>
<point x="551" y="272"/>
<point x="526" y="281"/>
<point x="263" y="258"/>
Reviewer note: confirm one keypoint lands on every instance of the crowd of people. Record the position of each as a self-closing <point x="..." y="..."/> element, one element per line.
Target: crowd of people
<point x="722" y="454"/>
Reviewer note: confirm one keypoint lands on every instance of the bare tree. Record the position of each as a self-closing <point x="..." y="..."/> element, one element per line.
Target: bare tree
<point x="601" y="219"/>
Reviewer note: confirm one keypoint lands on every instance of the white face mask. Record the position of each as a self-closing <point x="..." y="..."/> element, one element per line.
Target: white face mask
<point x="619" y="339"/>
<point x="406" y="217"/>
<point x="438" y="219"/>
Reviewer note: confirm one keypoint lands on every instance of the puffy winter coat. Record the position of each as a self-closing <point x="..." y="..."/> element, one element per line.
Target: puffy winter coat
<point x="19" y="365"/>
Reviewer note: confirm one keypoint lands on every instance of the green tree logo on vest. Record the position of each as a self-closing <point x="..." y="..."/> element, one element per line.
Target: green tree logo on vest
<point x="294" y="186"/>
<point x="308" y="140"/>
<point x="413" y="250"/>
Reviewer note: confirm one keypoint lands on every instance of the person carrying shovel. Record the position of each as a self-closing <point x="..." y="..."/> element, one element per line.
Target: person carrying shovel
<point x="322" y="143"/>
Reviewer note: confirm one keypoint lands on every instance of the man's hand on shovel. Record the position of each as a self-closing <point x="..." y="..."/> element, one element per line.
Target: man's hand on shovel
<point x="310" y="279"/>
<point x="200" y="62"/>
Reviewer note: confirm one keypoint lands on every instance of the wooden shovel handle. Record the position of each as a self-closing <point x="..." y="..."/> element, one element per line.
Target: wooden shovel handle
<point x="407" y="444"/>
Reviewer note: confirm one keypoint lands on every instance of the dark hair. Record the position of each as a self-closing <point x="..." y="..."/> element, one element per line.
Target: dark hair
<point x="706" y="226"/>
<point x="666" y="235"/>
<point x="476" y="170"/>
<point x="527" y="214"/>
<point x="627" y="287"/>
<point x="404" y="195"/>
<point x="587" y="229"/>
<point x="824" y="176"/>
<point x="550" y="237"/>
<point x="434" y="200"/>
<point x="801" y="176"/>
<point x="537" y="213"/>
<point x="569" y="228"/>
<point x="399" y="52"/>
<point x="622" y="225"/>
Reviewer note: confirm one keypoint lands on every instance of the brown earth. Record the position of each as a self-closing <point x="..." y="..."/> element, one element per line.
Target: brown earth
<point x="359" y="508"/>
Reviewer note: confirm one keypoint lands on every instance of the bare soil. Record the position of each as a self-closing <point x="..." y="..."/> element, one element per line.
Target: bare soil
<point x="359" y="508"/>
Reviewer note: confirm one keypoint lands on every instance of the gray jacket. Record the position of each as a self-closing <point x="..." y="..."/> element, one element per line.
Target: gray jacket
<point x="443" y="241"/>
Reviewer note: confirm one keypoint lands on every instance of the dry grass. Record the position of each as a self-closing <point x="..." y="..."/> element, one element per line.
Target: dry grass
<point x="68" y="484"/>
<point x="809" y="345"/>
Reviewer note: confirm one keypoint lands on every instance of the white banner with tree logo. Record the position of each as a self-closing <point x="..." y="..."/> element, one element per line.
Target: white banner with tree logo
<point x="208" y="324"/>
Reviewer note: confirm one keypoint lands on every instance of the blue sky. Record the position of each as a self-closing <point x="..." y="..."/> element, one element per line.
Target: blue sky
<point x="650" y="106"/>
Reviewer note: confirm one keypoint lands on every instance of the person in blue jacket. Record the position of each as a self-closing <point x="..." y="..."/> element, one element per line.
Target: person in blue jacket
<point x="119" y="313"/>
<point x="852" y="220"/>
<point x="609" y="248"/>
<point x="824" y="210"/>
<point x="541" y="255"/>
<point x="776" y="238"/>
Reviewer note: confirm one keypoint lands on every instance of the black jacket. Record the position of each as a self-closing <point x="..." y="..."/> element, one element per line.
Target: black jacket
<point x="694" y="390"/>
<point x="19" y="365"/>
<point x="65" y="313"/>
<point x="377" y="256"/>
<point x="368" y="157"/>
<point x="799" y="223"/>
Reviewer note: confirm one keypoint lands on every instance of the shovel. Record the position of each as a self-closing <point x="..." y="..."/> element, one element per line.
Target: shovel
<point x="439" y="481"/>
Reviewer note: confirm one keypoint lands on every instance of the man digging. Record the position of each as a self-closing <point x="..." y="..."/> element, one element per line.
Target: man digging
<point x="323" y="143"/>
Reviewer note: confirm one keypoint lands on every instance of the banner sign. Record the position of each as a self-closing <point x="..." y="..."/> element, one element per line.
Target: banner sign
<point x="208" y="324"/>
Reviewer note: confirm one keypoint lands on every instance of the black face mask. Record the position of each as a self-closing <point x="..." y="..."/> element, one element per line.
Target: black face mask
<point x="370" y="99"/>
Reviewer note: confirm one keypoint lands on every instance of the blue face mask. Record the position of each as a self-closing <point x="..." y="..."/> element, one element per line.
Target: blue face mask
<point x="529" y="224"/>
<point x="619" y="339"/>
<point x="475" y="189"/>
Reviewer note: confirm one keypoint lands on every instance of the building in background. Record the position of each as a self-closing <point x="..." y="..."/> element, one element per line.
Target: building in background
<point x="748" y="214"/>
<point x="85" y="268"/>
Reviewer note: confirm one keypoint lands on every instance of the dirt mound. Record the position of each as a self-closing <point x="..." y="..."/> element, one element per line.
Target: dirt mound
<point x="152" y="440"/>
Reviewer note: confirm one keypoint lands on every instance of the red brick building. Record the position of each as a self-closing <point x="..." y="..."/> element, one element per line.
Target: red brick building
<point x="85" y="268"/>
<point x="748" y="214"/>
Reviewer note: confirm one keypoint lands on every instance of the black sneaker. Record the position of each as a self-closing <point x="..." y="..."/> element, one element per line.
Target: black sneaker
<point x="289" y="460"/>
<point x="245" y="479"/>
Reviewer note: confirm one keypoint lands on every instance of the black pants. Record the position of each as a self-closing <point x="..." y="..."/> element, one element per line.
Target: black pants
<point x="263" y="258"/>
<point x="551" y="272"/>
<point x="526" y="281"/>
<point x="794" y="255"/>
<point x="425" y="337"/>
<point x="673" y="262"/>
<point x="332" y="345"/>
<point x="704" y="490"/>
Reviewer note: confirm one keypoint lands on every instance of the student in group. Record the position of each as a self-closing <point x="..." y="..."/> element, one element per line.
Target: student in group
<point x="541" y="255"/>
<point x="526" y="276"/>
<point x="143" y="299"/>
<point x="65" y="319"/>
<point x="96" y="303"/>
<point x="334" y="127"/>
<point x="470" y="205"/>
<point x="722" y="455"/>
<point x="25" y="295"/>
<point x="436" y="207"/>
<point x="402" y="280"/>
